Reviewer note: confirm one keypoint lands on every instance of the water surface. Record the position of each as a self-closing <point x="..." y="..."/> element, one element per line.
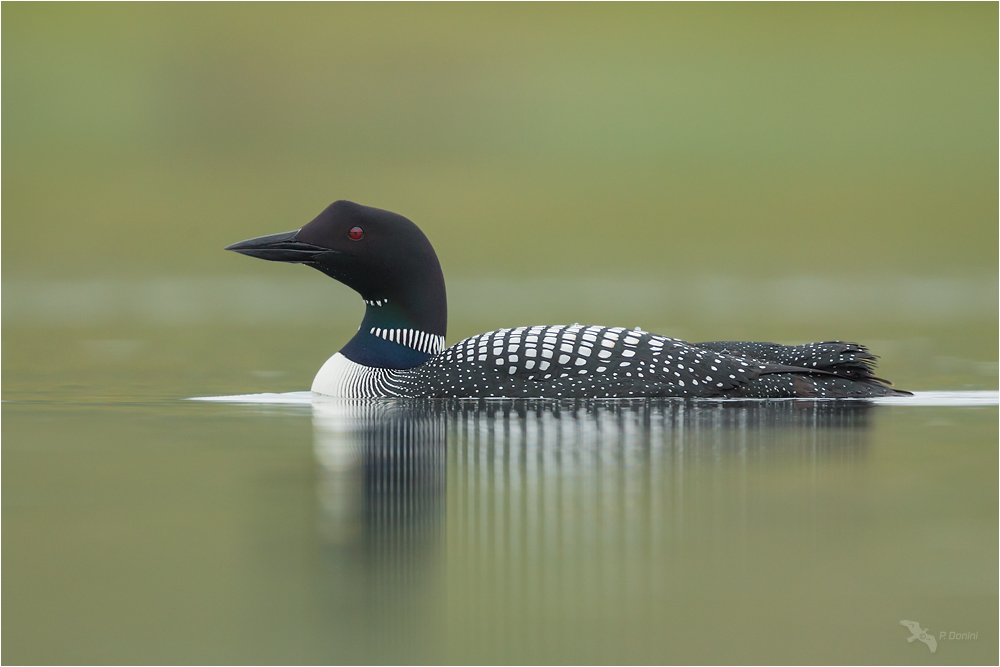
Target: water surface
<point x="286" y="529"/>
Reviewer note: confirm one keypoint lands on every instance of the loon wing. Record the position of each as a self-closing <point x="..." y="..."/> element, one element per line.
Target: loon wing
<point x="601" y="362"/>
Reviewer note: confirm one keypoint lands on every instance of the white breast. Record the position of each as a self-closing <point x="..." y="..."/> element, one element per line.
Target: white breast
<point x="342" y="378"/>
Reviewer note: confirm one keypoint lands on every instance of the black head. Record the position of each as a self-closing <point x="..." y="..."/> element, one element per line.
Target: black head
<point x="377" y="253"/>
<point x="381" y="255"/>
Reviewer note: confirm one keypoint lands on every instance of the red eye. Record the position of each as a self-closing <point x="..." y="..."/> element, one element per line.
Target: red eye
<point x="356" y="233"/>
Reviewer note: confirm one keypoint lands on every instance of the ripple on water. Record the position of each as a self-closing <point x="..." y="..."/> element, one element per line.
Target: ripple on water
<point x="918" y="399"/>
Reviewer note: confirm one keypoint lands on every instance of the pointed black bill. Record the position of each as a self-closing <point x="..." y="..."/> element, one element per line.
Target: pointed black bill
<point x="279" y="248"/>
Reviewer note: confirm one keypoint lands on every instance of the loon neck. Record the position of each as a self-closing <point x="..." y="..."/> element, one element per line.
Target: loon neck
<point x="395" y="336"/>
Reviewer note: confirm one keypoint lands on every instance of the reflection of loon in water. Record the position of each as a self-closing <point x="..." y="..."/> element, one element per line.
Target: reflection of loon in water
<point x="384" y="461"/>
<point x="382" y="488"/>
<point x="592" y="494"/>
<point x="381" y="493"/>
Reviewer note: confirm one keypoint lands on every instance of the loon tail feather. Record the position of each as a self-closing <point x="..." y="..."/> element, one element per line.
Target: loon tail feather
<point x="832" y="359"/>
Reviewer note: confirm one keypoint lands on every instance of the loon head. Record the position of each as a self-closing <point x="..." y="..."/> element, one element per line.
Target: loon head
<point x="388" y="261"/>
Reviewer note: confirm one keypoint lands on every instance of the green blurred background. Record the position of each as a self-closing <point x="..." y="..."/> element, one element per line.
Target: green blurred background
<point x="783" y="172"/>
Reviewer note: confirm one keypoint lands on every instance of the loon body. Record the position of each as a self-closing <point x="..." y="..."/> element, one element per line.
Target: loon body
<point x="399" y="350"/>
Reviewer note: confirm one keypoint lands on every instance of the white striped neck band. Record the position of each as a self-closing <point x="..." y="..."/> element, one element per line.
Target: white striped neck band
<point x="412" y="338"/>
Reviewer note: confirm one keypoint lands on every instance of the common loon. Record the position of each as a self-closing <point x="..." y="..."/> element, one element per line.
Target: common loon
<point x="399" y="350"/>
